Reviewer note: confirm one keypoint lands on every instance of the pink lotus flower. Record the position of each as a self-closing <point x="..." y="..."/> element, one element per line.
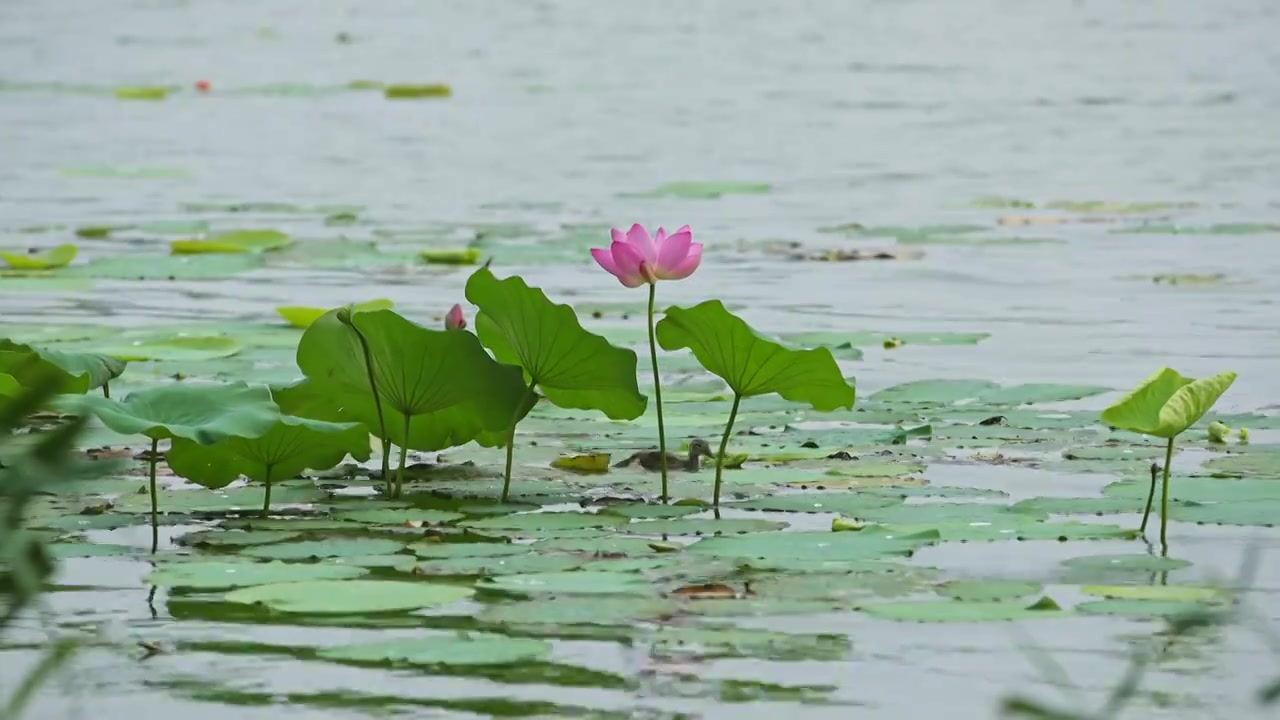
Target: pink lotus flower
<point x="636" y="259"/>
<point x="454" y="319"/>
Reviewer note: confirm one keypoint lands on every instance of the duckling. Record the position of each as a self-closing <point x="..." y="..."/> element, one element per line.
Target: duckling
<point x="652" y="459"/>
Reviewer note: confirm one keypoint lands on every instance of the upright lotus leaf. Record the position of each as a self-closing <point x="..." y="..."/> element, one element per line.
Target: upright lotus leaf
<point x="419" y="388"/>
<point x="572" y="367"/>
<point x="292" y="445"/>
<point x="9" y="385"/>
<point x="752" y="364"/>
<point x="301" y="316"/>
<point x="203" y="414"/>
<point x="1164" y="406"/>
<point x="79" y="372"/>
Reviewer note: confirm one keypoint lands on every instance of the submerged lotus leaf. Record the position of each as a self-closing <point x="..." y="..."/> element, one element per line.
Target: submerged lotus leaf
<point x="751" y="364"/>
<point x="572" y="367"/>
<point x="55" y="257"/>
<point x="349" y="597"/>
<point x="236" y="538"/>
<point x="987" y="590"/>
<point x="334" y="547"/>
<point x="75" y="372"/>
<point x="216" y="575"/>
<point x="1180" y="593"/>
<point x="863" y="580"/>
<point x="809" y="546"/>
<point x="202" y="413"/>
<point x="240" y="241"/>
<point x="444" y="383"/>
<point x="620" y="610"/>
<point x="178" y="348"/>
<point x="465" y="648"/>
<point x="393" y="516"/>
<point x="837" y="501"/>
<point x="1039" y="506"/>
<point x="705" y="526"/>
<point x="942" y="491"/>
<point x="935" y="392"/>
<point x="301" y="317"/>
<point x="467" y="549"/>
<point x="1141" y="608"/>
<point x="579" y="582"/>
<point x="962" y="611"/>
<point x="546" y="521"/>
<point x="712" y="642"/>
<point x="1166" y="403"/>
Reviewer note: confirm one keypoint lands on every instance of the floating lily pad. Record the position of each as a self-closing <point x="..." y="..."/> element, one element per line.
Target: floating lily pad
<point x="166" y="267"/>
<point x="934" y="513"/>
<point x="310" y="549"/>
<point x="958" y="611"/>
<point x="179" y="348"/>
<point x="734" y="642"/>
<point x="349" y="597"/>
<point x="1012" y="527"/>
<point x="416" y="92"/>
<point x="1125" y="563"/>
<point x="1177" y="593"/>
<point x="621" y="610"/>
<point x="610" y="546"/>
<point x="546" y="521"/>
<point x="302" y="317"/>
<point x="1216" y="229"/>
<point x="808" y="546"/>
<point x="468" y="549"/>
<point x="62" y="550"/>
<point x="246" y="498"/>
<point x="53" y="258"/>
<point x="1264" y="513"/>
<point x="650" y="511"/>
<point x="1202" y="490"/>
<point x="466" y="256"/>
<point x="469" y="648"/>
<point x="839" y="501"/>
<point x="212" y="575"/>
<point x="242" y="241"/>
<point x="400" y="517"/>
<point x="935" y="392"/>
<point x="707" y="190"/>
<point x="1140" y="608"/>
<point x="1079" y="506"/>
<point x="237" y="538"/>
<point x="580" y="582"/>
<point x="987" y="590"/>
<point x="525" y="563"/>
<point x="708" y="526"/>
<point x="1253" y="464"/>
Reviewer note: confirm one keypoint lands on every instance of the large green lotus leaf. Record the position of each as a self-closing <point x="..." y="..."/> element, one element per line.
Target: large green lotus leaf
<point x="23" y="365"/>
<point x="621" y="610"/>
<point x="201" y="413"/>
<point x="751" y="364"/>
<point x="866" y="545"/>
<point x="443" y="380"/>
<point x="468" y="648"/>
<point x="705" y="526"/>
<point x="960" y="611"/>
<point x="403" y="517"/>
<point x="54" y="257"/>
<point x="609" y="546"/>
<point x="217" y="575"/>
<point x="573" y="368"/>
<point x="865" y="580"/>
<point x="335" y="547"/>
<point x="938" y="512"/>
<point x="1263" y="463"/>
<point x="1135" y="564"/>
<point x="1166" y="403"/>
<point x="239" y="241"/>
<point x="349" y="597"/>
<point x="78" y="372"/>
<point x="650" y="511"/>
<point x="1011" y="527"/>
<point x="836" y="501"/>
<point x="577" y="582"/>
<point x="292" y="445"/>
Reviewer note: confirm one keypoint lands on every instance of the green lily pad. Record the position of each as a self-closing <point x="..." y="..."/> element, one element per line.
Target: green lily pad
<point x="959" y="611"/>
<point x="987" y="590"/>
<point x="708" y="526"/>
<point x="811" y="546"/>
<point x="53" y="258"/>
<point x="1079" y="506"/>
<point x="1012" y="527"/>
<point x="193" y="348"/>
<point x="241" y="241"/>
<point x="1166" y="404"/>
<point x="74" y="372"/>
<point x="1141" y="608"/>
<point x="1254" y="464"/>
<point x="1264" y="513"/>
<point x="580" y="582"/>
<point x="220" y="501"/>
<point x="650" y="511"/>
<point x="62" y="550"/>
<point x="546" y="521"/>
<point x="1141" y="564"/>
<point x="465" y="256"/>
<point x="416" y="92"/>
<point x="733" y="642"/>
<point x="349" y="597"/>
<point x="213" y="575"/>
<point x="935" y="513"/>
<point x="166" y="267"/>
<point x="838" y="501"/>
<point x="400" y="517"/>
<point x="311" y="549"/>
<point x="462" y="649"/>
<point x="707" y="190"/>
<point x="1031" y="393"/>
<point x="237" y="538"/>
<point x="503" y="565"/>
<point x="936" y="392"/>
<point x="301" y="317"/>
<point x="402" y="563"/>
<point x="467" y="549"/>
<point x="1177" y="593"/>
<point x="596" y="610"/>
<point x="1202" y="490"/>
<point x="610" y="545"/>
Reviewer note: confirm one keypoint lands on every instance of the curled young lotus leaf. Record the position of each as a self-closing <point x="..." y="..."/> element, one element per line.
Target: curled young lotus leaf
<point x="1167" y="403"/>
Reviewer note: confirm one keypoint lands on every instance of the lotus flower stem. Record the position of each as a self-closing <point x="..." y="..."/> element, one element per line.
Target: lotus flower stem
<point x="155" y="500"/>
<point x="1164" y="499"/>
<point x="724" y="443"/>
<point x="266" y="500"/>
<point x="106" y="390"/>
<point x="404" y="451"/>
<point x="657" y="394"/>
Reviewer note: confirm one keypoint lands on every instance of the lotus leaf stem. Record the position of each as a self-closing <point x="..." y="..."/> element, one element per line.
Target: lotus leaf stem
<point x="266" y="500"/>
<point x="377" y="399"/>
<point x="724" y="443"/>
<point x="511" y="440"/>
<point x="155" y="500"/>
<point x="106" y="390"/>
<point x="1151" y="496"/>
<point x="404" y="451"/>
<point x="1164" y="499"/>
<point x="657" y="393"/>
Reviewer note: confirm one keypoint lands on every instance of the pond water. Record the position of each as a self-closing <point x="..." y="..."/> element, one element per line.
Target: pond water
<point x="1143" y="136"/>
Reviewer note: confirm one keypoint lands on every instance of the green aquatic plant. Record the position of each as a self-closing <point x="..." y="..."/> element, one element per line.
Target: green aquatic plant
<point x="1164" y="405"/>
<point x="203" y="414"/>
<point x="75" y="373"/>
<point x="55" y="257"/>
<point x="293" y="444"/>
<point x="752" y="365"/>
<point x="572" y="367"/>
<point x="413" y="387"/>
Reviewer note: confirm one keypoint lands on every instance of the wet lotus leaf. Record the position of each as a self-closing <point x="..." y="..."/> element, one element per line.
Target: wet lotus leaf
<point x="236" y="538"/>
<point x="1140" y="608"/>
<point x="446" y="550"/>
<point x="839" y="501"/>
<point x="310" y="549"/>
<point x="650" y="511"/>
<point x="593" y="463"/>
<point x="1264" y="513"/>
<point x="349" y="597"/>
<point x="403" y="563"/>
<point x="1012" y="527"/>
<point x="601" y="546"/>
<point x="987" y="590"/>
<point x="1166" y="403"/>
<point x="96" y="232"/>
<point x="707" y="190"/>
<point x="622" y="610"/>
<point x="166" y="267"/>
<point x="204" y="413"/>
<point x="935" y="392"/>
<point x="218" y="575"/>
<point x="132" y="92"/>
<point x="179" y="348"/>
<point x="890" y="484"/>
<point x="707" y="526"/>
<point x="465" y="648"/>
<point x="665" y="564"/>
<point x="810" y="546"/>
<point x="61" y="550"/>
<point x="961" y="611"/>
<point x="580" y="582"/>
<point x="53" y="258"/>
<point x="936" y="512"/>
<point x="399" y="517"/>
<point x="9" y="385"/>
<point x="301" y="317"/>
<point x="732" y="642"/>
<point x="1079" y="506"/>
<point x="1254" y="464"/>
<point x="1201" y="489"/>
<point x="1138" y="564"/>
<point x="240" y="241"/>
<point x="502" y="565"/>
<point x="1179" y="593"/>
<point x="545" y="521"/>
